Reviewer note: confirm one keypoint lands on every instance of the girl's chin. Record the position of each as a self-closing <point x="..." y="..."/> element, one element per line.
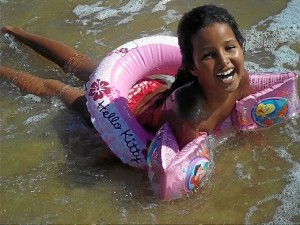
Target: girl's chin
<point x="230" y="84"/>
<point x="228" y="80"/>
<point x="232" y="88"/>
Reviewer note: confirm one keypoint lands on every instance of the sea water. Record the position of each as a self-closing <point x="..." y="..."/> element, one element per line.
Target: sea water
<point x="52" y="169"/>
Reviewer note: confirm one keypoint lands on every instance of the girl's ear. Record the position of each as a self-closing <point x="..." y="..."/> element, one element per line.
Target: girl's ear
<point x="192" y="71"/>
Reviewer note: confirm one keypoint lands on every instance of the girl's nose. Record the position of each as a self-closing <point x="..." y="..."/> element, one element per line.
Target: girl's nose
<point x="223" y="60"/>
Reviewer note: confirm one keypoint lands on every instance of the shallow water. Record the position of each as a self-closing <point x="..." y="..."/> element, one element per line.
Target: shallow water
<point x="51" y="171"/>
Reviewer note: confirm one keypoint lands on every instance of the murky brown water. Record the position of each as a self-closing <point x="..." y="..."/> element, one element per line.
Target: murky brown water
<point x="50" y="166"/>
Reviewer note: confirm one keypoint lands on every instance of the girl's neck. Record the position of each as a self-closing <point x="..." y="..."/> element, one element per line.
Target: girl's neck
<point x="216" y="99"/>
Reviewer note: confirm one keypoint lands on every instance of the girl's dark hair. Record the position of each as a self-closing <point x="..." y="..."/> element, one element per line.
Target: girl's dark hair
<point x="188" y="26"/>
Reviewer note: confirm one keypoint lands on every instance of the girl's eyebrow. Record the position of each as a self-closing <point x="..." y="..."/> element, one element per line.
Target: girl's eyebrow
<point x="231" y="40"/>
<point x="205" y="47"/>
<point x="208" y="47"/>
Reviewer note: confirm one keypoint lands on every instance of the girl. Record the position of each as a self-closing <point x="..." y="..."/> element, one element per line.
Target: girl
<point x="210" y="80"/>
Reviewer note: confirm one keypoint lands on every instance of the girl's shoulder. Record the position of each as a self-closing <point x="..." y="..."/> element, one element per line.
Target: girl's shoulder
<point x="184" y="105"/>
<point x="190" y="101"/>
<point x="245" y="84"/>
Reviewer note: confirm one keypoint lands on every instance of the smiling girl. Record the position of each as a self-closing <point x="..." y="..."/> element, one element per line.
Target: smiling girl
<point x="212" y="76"/>
<point x="210" y="80"/>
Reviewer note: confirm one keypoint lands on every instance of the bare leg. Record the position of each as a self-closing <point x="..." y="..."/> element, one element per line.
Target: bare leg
<point x="73" y="97"/>
<point x="65" y="57"/>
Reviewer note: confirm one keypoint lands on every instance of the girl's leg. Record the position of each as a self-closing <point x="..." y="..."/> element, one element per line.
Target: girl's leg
<point x="73" y="97"/>
<point x="65" y="57"/>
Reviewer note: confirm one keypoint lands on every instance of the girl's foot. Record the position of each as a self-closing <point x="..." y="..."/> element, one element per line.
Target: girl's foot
<point x="15" y="31"/>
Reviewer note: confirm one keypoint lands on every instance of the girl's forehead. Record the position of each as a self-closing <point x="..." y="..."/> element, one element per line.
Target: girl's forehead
<point x="215" y="28"/>
<point x="215" y="33"/>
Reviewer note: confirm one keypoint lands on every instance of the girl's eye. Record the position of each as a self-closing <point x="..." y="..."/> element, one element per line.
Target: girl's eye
<point x="207" y="56"/>
<point x="231" y="47"/>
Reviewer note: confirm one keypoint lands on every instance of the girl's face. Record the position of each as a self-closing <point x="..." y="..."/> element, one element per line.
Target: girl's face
<point x="218" y="59"/>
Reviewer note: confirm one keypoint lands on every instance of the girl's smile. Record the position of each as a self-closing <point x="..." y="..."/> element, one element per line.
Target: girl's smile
<point x="227" y="76"/>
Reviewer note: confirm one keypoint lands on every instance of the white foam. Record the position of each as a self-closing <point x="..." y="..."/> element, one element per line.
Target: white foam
<point x="239" y="172"/>
<point x="34" y="119"/>
<point x="33" y="98"/>
<point x="24" y="109"/>
<point x="293" y="132"/>
<point x="12" y="43"/>
<point x="133" y="6"/>
<point x="285" y="55"/>
<point x="106" y="13"/>
<point x="57" y="104"/>
<point x="289" y="197"/>
<point x="282" y="153"/>
<point x="252" y="66"/>
<point x="161" y="6"/>
<point x="8" y="131"/>
<point x="86" y="10"/>
<point x="276" y="35"/>
<point x="126" y="20"/>
<point x="88" y="13"/>
<point x="171" y="16"/>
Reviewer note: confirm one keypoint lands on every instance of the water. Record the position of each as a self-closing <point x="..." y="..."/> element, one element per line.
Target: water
<point x="52" y="167"/>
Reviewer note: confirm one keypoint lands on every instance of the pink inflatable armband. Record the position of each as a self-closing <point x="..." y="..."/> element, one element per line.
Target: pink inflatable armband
<point x="274" y="98"/>
<point x="174" y="173"/>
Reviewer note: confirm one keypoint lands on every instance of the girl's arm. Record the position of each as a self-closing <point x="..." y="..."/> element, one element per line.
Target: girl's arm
<point x="183" y="108"/>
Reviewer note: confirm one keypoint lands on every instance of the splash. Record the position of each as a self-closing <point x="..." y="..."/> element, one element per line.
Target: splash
<point x="161" y="6"/>
<point x="96" y="12"/>
<point x="276" y="36"/>
<point x="12" y="44"/>
<point x="289" y="199"/>
<point x="35" y="119"/>
<point x="171" y="16"/>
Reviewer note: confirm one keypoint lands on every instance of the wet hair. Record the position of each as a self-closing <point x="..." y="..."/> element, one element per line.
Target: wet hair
<point x="190" y="108"/>
<point x="193" y="21"/>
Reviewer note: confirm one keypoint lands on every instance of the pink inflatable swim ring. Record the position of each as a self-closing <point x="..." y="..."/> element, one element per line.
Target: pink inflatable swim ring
<point x="108" y="87"/>
<point x="173" y="172"/>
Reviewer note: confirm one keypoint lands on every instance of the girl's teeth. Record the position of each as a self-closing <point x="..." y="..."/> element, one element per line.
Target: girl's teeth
<point x="228" y="78"/>
<point x="226" y="73"/>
